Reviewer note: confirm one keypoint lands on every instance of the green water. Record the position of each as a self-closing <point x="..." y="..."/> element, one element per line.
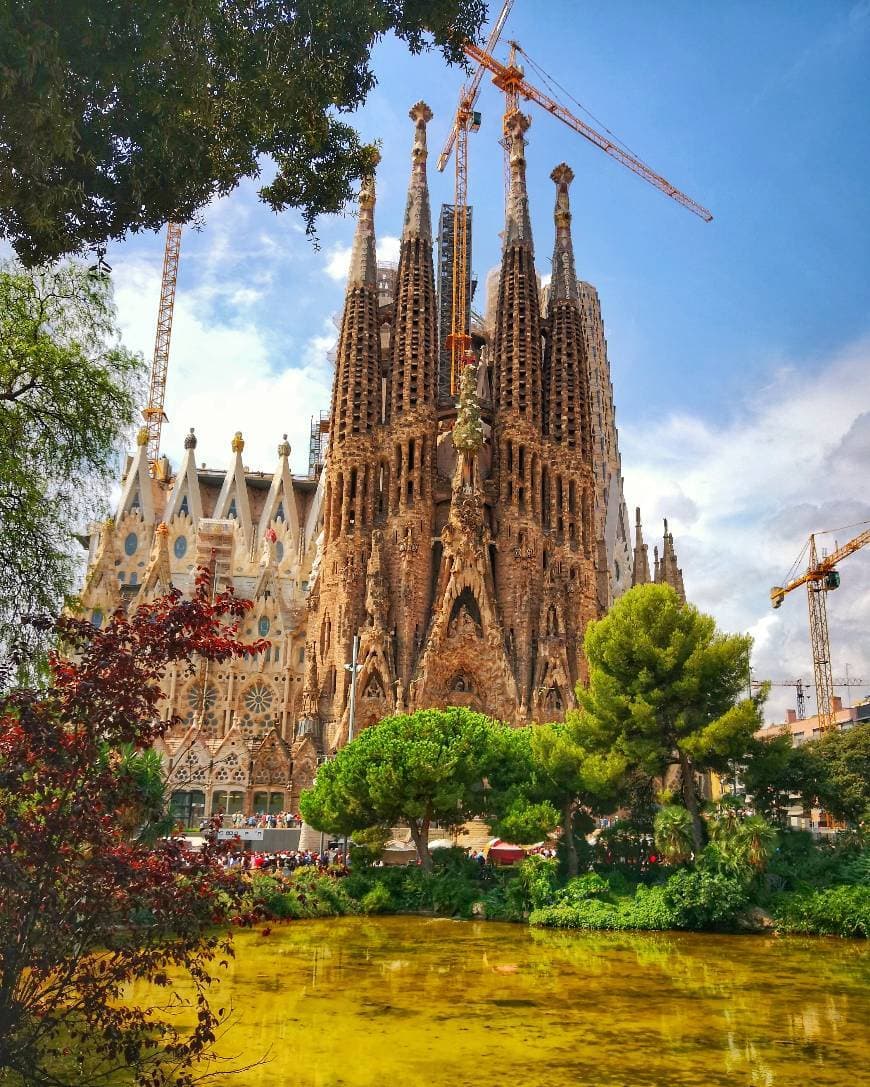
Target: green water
<point x="405" y="1001"/>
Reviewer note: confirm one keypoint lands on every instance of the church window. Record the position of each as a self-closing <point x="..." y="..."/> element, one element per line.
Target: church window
<point x="180" y="547"/>
<point x="232" y="511"/>
<point x="263" y="626"/>
<point x="134" y="578"/>
<point x="301" y="657"/>
<point x="259" y="698"/>
<point x="279" y="551"/>
<point x="135" y="504"/>
<point x="279" y="513"/>
<point x="184" y="507"/>
<point x="131" y="543"/>
<point x="97" y="618"/>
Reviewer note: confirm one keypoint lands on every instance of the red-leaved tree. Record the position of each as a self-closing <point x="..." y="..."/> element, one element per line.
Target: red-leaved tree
<point x="85" y="911"/>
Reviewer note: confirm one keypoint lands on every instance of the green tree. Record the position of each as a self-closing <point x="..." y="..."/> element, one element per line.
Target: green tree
<point x="116" y="118"/>
<point x="555" y="780"/>
<point x="417" y="768"/>
<point x="67" y="394"/>
<point x="771" y="772"/>
<point x="672" y="829"/>
<point x="836" y="772"/>
<point x="664" y="687"/>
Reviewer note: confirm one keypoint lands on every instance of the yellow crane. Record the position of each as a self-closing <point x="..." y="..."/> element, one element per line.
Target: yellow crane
<point x="821" y="576"/>
<point x="153" y="412"/>
<point x="466" y="120"/>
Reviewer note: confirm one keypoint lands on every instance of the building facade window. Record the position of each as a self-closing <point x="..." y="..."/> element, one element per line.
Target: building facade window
<point x="131" y="543"/>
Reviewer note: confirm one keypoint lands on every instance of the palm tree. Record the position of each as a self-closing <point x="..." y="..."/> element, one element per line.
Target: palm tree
<point x="756" y="841"/>
<point x="673" y="834"/>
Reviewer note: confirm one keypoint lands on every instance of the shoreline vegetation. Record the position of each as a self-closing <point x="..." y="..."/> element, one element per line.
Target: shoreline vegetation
<point x="807" y="890"/>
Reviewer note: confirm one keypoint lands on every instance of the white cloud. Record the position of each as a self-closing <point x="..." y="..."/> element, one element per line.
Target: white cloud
<point x="743" y="497"/>
<point x="338" y="257"/>
<point x="223" y="377"/>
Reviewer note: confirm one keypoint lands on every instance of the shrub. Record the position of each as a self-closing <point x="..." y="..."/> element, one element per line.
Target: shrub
<point x="703" y="899"/>
<point x="648" y="909"/>
<point x="837" y="911"/>
<point x="589" y="885"/>
<point x="536" y="881"/>
<point x="377" y="900"/>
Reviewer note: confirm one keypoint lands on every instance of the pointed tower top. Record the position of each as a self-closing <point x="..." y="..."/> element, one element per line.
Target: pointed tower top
<point x="564" y="282"/>
<point x="238" y="443"/>
<point x="363" y="270"/>
<point x="284" y="448"/>
<point x="418" y="218"/>
<point x="190" y="440"/>
<point x="468" y="429"/>
<point x="637" y="516"/>
<point x="142" y="436"/>
<point x="518" y="228"/>
<point x="640" y="574"/>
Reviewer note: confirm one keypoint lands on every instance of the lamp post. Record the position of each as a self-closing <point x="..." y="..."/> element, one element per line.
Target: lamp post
<point x="353" y="668"/>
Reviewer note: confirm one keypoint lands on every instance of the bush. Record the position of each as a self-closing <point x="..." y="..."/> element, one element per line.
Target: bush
<point x="377" y="900"/>
<point x="536" y="881"/>
<point x="702" y="899"/>
<point x="648" y="909"/>
<point x="589" y="885"/>
<point x="306" y="893"/>
<point x="837" y="911"/>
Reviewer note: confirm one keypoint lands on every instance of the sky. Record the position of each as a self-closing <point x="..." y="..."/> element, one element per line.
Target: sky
<point x="739" y="349"/>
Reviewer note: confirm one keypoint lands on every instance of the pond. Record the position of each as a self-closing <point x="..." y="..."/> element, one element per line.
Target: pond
<point x="355" y="1002"/>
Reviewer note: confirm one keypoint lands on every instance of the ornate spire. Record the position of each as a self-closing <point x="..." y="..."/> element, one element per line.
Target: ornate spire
<point x="414" y="343"/>
<point x="640" y="574"/>
<point x="356" y="390"/>
<point x="563" y="286"/>
<point x="518" y="227"/>
<point x="418" y="218"/>
<point x="284" y="448"/>
<point x="517" y="342"/>
<point x="468" y="429"/>
<point x="190" y="440"/>
<point x="363" y="260"/>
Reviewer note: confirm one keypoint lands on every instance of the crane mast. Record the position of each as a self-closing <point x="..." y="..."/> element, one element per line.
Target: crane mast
<point x="465" y="121"/>
<point x="820" y="578"/>
<point x="153" y="413"/>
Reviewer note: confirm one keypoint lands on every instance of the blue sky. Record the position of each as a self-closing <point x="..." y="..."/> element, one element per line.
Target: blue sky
<point x="740" y="349"/>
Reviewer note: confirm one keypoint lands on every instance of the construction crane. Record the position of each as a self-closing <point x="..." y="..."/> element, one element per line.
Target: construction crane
<point x="153" y="413"/>
<point x="466" y="120"/>
<point x="798" y="684"/>
<point x="820" y="577"/>
<point x="510" y="78"/>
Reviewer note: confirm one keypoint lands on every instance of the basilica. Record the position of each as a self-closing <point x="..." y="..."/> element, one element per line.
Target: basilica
<point x="459" y="545"/>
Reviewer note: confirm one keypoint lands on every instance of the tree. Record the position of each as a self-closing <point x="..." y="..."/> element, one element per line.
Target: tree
<point x="417" y="768"/>
<point x="772" y="771"/>
<point x="664" y="687"/>
<point x="674" y="838"/>
<point x="67" y="394"/>
<point x="836" y="773"/>
<point x="111" y="121"/>
<point x="86" y="908"/>
<point x="555" y="780"/>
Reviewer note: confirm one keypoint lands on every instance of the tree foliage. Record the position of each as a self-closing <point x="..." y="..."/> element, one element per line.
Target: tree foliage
<point x="420" y="768"/>
<point x="67" y="394"/>
<point x="665" y="686"/>
<point x="836" y="773"/>
<point x="556" y="779"/>
<point x="114" y="118"/>
<point x="87" y="908"/>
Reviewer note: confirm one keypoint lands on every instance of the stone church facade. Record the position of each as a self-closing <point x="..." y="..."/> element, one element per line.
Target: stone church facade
<point x="466" y="544"/>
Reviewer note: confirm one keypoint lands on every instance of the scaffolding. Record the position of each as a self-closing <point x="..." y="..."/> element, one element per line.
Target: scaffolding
<point x="445" y="293"/>
<point x="317" y="443"/>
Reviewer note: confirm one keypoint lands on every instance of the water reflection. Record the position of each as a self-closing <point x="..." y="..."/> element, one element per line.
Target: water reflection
<point x="357" y="1002"/>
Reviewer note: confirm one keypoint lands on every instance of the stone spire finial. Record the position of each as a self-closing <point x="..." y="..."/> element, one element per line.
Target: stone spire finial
<point x="418" y="219"/>
<point x="640" y="573"/>
<point x="238" y="443"/>
<point x="564" y="282"/>
<point x="468" y="429"/>
<point x="190" y="440"/>
<point x="142" y="436"/>
<point x="518" y="226"/>
<point x="363" y="259"/>
<point x="284" y="448"/>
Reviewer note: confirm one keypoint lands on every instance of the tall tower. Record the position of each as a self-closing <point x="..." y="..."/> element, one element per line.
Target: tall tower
<point x="353" y="487"/>
<point x="567" y="485"/>
<point x="411" y="432"/>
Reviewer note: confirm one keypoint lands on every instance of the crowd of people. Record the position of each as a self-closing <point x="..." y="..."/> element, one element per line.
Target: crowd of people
<point x="286" y="861"/>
